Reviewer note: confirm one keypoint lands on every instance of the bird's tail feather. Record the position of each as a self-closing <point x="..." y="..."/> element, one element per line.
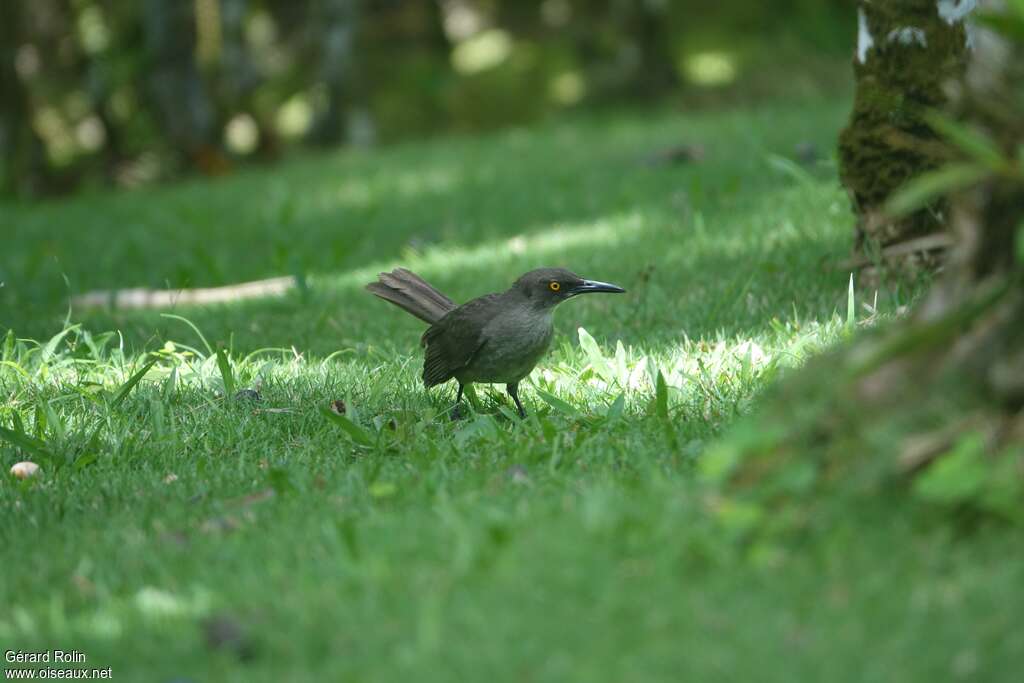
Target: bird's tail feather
<point x="410" y="292"/>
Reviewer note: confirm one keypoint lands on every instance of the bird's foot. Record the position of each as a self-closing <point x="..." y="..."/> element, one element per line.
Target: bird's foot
<point x="458" y="412"/>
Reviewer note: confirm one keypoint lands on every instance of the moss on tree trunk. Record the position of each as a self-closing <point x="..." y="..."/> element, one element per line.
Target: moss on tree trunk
<point x="908" y="53"/>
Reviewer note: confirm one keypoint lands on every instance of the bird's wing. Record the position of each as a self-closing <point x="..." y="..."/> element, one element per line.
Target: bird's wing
<point x="454" y="340"/>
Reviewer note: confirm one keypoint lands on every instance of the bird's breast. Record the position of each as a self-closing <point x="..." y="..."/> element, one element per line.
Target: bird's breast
<point x="513" y="344"/>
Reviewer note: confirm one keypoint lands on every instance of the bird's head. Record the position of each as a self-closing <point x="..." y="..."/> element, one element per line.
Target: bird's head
<point x="549" y="287"/>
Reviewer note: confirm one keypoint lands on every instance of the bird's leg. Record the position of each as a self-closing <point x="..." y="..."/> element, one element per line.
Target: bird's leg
<point x="513" y="391"/>
<point x="457" y="410"/>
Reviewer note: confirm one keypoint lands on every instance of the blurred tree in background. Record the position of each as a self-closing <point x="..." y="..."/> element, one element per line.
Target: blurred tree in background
<point x="109" y="92"/>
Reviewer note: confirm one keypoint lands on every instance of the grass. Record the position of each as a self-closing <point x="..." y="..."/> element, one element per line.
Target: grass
<point x="179" y="530"/>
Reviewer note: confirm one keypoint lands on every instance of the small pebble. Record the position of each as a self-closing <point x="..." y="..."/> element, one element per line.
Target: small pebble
<point x="24" y="470"/>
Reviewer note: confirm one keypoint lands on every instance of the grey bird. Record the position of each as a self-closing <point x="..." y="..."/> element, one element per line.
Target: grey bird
<point x="496" y="338"/>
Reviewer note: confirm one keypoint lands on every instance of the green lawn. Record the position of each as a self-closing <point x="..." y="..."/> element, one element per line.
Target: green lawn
<point x="174" y="533"/>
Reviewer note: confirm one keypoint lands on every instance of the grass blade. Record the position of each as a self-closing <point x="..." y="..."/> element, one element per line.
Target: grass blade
<point x="851" y="311"/>
<point x="8" y="346"/>
<point x="970" y="140"/>
<point x="17" y="368"/>
<point x="1010" y="26"/>
<point x="51" y="346"/>
<point x="557" y="403"/>
<point x="789" y="168"/>
<point x="30" y="445"/>
<point x="169" y="384"/>
<point x="661" y="397"/>
<point x="209" y="349"/>
<point x="617" y="407"/>
<point x="593" y="352"/>
<point x="126" y="388"/>
<point x="358" y="434"/>
<point x="925" y="188"/>
<point x="226" y="374"/>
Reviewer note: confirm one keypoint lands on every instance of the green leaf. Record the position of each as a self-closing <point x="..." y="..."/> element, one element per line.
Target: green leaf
<point x="30" y="445"/>
<point x="971" y="141"/>
<point x="790" y="168"/>
<point x="621" y="366"/>
<point x="738" y="518"/>
<point x="1020" y="243"/>
<point x="358" y="434"/>
<point x="926" y="188"/>
<point x="51" y="346"/>
<point x="557" y="403"/>
<point x="1005" y="488"/>
<point x="209" y="349"/>
<point x="594" y="355"/>
<point x="169" y="384"/>
<point x="126" y="388"/>
<point x="40" y="420"/>
<point x="226" y="374"/>
<point x="92" y="446"/>
<point x="661" y="397"/>
<point x="350" y="536"/>
<point x="17" y="368"/>
<point x="481" y="427"/>
<point x="747" y="439"/>
<point x="718" y="463"/>
<point x="616" y="408"/>
<point x="589" y="345"/>
<point x="85" y="460"/>
<point x="280" y="481"/>
<point x="1011" y="27"/>
<point x="471" y="396"/>
<point x="9" y="346"/>
<point x="960" y="476"/>
<point x="383" y="489"/>
<point x="53" y="420"/>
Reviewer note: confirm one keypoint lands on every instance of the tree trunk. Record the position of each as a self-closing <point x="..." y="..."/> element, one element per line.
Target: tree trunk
<point x="960" y="357"/>
<point x="936" y="400"/>
<point x="907" y="51"/>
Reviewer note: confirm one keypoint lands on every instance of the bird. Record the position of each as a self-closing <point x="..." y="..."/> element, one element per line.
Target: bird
<point x="496" y="338"/>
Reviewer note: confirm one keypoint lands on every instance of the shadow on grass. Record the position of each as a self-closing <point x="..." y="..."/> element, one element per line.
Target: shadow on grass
<point x="682" y="280"/>
<point x="337" y="213"/>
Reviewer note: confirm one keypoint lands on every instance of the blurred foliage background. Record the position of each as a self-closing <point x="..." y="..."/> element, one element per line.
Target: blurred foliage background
<point x="114" y="93"/>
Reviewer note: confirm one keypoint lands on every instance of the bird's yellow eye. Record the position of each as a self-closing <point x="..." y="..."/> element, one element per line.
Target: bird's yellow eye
<point x="554" y="286"/>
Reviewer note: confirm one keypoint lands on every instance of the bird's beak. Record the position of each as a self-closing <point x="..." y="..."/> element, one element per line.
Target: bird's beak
<point x="591" y="286"/>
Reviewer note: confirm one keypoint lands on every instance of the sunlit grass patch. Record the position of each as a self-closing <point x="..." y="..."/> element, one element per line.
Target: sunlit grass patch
<point x="64" y="394"/>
